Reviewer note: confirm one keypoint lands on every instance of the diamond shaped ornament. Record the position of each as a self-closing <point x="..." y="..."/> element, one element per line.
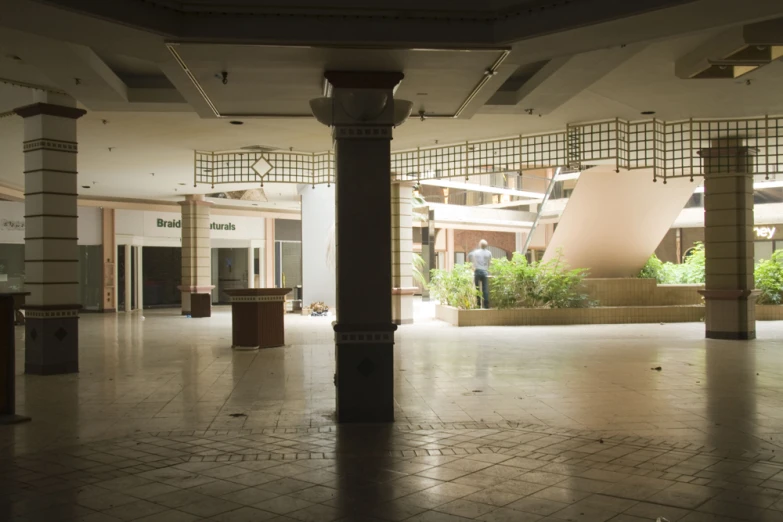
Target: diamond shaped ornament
<point x="61" y="333"/>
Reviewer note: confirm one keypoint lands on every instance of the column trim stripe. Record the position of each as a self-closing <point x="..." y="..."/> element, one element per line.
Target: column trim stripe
<point x="50" y="170"/>
<point x="51" y="193"/>
<point x="51" y="283"/>
<point x="52" y="215"/>
<point x="51" y="260"/>
<point x="51" y="150"/>
<point x="51" y="139"/>
<point x="49" y="237"/>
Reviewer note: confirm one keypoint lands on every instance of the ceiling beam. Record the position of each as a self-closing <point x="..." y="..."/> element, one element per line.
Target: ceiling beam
<point x="563" y="78"/>
<point x="75" y="69"/>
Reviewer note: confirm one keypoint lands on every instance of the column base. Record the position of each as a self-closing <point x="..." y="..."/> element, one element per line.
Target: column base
<point x="731" y="336"/>
<point x="365" y="374"/>
<point x="51" y="342"/>
<point x="730" y="314"/>
<point x="402" y="305"/>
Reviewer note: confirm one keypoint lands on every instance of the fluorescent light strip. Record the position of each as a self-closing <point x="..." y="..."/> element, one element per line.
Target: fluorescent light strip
<point x="756" y="186"/>
<point x="567" y="176"/>
<point x="535" y="196"/>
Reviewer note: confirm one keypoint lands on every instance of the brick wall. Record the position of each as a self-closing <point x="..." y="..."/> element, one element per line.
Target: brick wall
<point x="468" y="240"/>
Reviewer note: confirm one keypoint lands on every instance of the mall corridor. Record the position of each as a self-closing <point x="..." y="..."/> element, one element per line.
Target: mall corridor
<point x="166" y="423"/>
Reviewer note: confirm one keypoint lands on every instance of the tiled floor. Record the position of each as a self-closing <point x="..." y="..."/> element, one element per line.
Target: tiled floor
<point x="166" y="423"/>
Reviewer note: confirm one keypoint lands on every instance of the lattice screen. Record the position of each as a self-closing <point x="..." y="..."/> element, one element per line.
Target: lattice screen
<point x="671" y="150"/>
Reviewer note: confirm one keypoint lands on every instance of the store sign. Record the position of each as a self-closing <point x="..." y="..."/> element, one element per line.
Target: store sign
<point x="177" y="223"/>
<point x="768" y="232"/>
<point x="12" y="224"/>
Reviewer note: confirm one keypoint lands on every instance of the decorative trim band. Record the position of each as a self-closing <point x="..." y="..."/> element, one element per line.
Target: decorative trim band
<point x="728" y="295"/>
<point x="362" y="132"/>
<point x="386" y="337"/>
<point x="53" y="145"/>
<point x="50" y="314"/>
<point x="257" y="298"/>
<point x="50" y="109"/>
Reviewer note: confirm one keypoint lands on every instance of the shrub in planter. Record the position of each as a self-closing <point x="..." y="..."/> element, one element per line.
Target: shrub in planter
<point x="769" y="279"/>
<point x="516" y="283"/>
<point x="455" y="288"/>
<point x="690" y="271"/>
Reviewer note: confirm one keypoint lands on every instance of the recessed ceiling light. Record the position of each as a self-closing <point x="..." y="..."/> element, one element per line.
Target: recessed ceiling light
<point x="648" y="113"/>
<point x="183" y="184"/>
<point x="236" y="122"/>
<point x="85" y="186"/>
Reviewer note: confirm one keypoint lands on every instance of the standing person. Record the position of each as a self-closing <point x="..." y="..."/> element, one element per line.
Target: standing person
<point x="481" y="258"/>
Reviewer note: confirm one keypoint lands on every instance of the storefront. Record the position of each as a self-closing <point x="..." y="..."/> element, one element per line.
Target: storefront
<point x="148" y="267"/>
<point x="150" y="243"/>
<point x="679" y="241"/>
<point x="12" y="269"/>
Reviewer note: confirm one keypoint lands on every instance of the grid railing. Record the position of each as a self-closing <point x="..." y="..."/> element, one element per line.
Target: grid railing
<point x="670" y="149"/>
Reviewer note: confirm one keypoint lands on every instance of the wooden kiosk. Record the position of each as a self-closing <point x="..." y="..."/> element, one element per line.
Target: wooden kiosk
<point x="257" y="317"/>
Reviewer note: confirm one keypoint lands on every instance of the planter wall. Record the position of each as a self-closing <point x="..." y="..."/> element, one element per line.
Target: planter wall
<point x="641" y="292"/>
<point x="769" y="312"/>
<point x="563" y="316"/>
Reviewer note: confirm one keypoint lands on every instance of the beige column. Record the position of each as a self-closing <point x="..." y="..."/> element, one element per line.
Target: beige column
<point x="128" y="278"/>
<point x="402" y="253"/>
<point x="196" y="250"/>
<point x="51" y="250"/>
<point x="728" y="219"/>
<point x="109" y="301"/>
<point x="269" y="253"/>
<point x="449" y="253"/>
<point x="251" y="259"/>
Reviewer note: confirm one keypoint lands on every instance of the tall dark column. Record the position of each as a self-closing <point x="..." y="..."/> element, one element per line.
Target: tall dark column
<point x="361" y="112"/>
<point x="51" y="237"/>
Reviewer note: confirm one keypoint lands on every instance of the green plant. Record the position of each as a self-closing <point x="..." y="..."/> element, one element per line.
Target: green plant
<point x="653" y="269"/>
<point x="516" y="283"/>
<point x="769" y="279"/>
<point x="690" y="271"/>
<point x="455" y="288"/>
<point x="419" y="269"/>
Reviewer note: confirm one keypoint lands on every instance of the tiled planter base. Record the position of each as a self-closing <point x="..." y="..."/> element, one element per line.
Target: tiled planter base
<point x="769" y="312"/>
<point x="562" y="316"/>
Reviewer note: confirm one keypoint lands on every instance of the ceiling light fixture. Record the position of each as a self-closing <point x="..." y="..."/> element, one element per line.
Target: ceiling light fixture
<point x="236" y="122"/>
<point x="648" y="113"/>
<point x="183" y="184"/>
<point x="85" y="186"/>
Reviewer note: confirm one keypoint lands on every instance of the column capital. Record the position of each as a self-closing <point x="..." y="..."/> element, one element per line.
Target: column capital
<point x="50" y="109"/>
<point x="196" y="200"/>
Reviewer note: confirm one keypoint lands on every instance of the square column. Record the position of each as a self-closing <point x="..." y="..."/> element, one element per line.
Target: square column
<point x="402" y="253"/>
<point x="729" y="293"/>
<point x="362" y="117"/>
<point x="109" y="248"/>
<point x="196" y="252"/>
<point x="51" y="242"/>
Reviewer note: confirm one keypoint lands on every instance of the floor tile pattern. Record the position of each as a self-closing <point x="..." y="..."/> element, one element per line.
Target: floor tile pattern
<point x="424" y="473"/>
